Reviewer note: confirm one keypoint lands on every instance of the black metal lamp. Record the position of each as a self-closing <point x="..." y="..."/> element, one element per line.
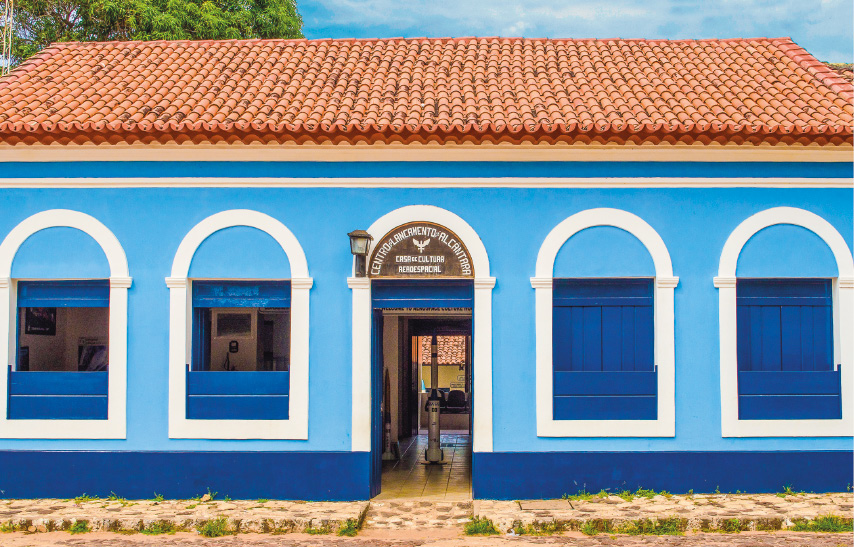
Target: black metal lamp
<point x="360" y="241"/>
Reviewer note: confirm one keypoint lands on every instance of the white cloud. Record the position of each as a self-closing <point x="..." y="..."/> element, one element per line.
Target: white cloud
<point x="822" y="26"/>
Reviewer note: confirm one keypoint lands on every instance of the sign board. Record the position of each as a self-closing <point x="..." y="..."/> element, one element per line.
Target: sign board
<point x="422" y="250"/>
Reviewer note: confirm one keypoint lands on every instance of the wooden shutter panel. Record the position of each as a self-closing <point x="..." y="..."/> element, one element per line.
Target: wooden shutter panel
<point x="603" y="349"/>
<point x="785" y="350"/>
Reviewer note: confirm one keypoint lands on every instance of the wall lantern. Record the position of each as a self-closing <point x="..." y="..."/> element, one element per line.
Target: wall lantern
<point x="360" y="240"/>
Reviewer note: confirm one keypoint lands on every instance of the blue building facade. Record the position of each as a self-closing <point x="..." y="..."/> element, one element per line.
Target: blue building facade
<point x="694" y="223"/>
<point x="677" y="322"/>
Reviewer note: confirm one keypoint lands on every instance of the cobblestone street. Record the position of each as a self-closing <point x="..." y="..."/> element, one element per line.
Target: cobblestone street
<point x="418" y="538"/>
<point x="409" y="522"/>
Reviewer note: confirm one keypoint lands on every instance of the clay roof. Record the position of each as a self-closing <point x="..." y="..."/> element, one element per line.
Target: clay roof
<point x="451" y="350"/>
<point x="427" y="90"/>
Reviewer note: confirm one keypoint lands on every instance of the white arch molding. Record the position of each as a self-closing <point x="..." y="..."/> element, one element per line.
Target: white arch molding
<point x="180" y="334"/>
<point x="665" y="283"/>
<point x="115" y="426"/>
<point x="843" y="326"/>
<point x="482" y="326"/>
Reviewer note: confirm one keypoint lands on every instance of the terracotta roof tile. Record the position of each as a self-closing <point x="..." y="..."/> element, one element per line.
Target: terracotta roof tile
<point x="743" y="91"/>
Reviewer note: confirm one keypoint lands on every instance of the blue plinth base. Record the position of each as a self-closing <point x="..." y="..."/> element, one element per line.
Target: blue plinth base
<point x="533" y="475"/>
<point x="337" y="476"/>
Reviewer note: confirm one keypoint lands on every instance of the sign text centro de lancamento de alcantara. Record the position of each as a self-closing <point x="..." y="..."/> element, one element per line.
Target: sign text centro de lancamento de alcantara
<point x="420" y="249"/>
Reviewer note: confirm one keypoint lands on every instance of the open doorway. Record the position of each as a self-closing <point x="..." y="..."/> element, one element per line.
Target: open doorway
<point x="408" y="363"/>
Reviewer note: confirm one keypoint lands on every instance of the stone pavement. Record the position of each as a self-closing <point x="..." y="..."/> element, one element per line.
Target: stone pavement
<point x="417" y="513"/>
<point x="424" y="522"/>
<point x="183" y="539"/>
<point x="701" y="512"/>
<point x="117" y="515"/>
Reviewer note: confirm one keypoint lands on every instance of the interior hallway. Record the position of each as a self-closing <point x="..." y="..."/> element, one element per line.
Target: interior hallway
<point x="410" y="478"/>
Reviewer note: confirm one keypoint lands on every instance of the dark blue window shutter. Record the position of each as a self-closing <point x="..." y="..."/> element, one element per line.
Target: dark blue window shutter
<point x="785" y="350"/>
<point x="82" y="293"/>
<point x="603" y="349"/>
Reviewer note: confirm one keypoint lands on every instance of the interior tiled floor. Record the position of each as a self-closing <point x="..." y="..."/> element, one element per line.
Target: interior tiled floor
<point x="410" y="478"/>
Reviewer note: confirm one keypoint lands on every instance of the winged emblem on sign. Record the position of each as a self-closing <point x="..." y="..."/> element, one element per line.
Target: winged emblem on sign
<point x="421" y="244"/>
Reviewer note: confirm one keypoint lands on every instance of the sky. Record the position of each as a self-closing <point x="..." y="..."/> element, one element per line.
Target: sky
<point x="825" y="28"/>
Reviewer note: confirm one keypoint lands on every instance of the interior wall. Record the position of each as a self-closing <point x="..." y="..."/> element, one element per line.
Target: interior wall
<point x="247" y="344"/>
<point x="251" y="347"/>
<point x="74" y="327"/>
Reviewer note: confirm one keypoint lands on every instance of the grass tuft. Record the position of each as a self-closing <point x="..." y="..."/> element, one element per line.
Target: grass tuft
<point x="84" y="498"/>
<point x="350" y="528"/>
<point x="537" y="528"/>
<point x="158" y="528"/>
<point x="480" y="526"/>
<point x="825" y="523"/>
<point x="672" y="526"/>
<point x="733" y="526"/>
<point x="215" y="528"/>
<point x="596" y="526"/>
<point x="787" y="491"/>
<point x="323" y="529"/>
<point x="80" y="527"/>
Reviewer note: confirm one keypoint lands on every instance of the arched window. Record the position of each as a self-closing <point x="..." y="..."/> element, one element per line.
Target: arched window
<point x="68" y="342"/>
<point x="605" y="355"/>
<point x="786" y="348"/>
<point x="238" y="356"/>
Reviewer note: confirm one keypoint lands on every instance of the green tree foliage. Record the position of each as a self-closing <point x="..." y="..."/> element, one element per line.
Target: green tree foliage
<point x="38" y="23"/>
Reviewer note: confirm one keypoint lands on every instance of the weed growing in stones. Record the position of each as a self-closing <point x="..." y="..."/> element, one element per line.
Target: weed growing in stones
<point x="215" y="528"/>
<point x="262" y="500"/>
<point x="80" y="527"/>
<point x="593" y="527"/>
<point x="826" y="523"/>
<point x="628" y="495"/>
<point x="480" y="526"/>
<point x="584" y="495"/>
<point x="158" y="528"/>
<point x="350" y="528"/>
<point x="84" y="498"/>
<point x="732" y="526"/>
<point x="157" y="497"/>
<point x="672" y="526"/>
<point x="787" y="491"/>
<point x="538" y="528"/>
<point x="7" y="527"/>
<point x="323" y="529"/>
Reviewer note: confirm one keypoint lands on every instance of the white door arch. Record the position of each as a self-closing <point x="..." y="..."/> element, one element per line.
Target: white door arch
<point x="482" y="335"/>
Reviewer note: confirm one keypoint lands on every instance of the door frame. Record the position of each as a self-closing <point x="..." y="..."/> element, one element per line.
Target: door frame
<point x="378" y="318"/>
<point x="362" y="320"/>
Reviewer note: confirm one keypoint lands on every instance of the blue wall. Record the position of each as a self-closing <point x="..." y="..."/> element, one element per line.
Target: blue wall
<point x="694" y="224"/>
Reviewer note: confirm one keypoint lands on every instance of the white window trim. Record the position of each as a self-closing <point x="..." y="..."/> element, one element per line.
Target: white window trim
<point x="180" y="335"/>
<point x="665" y="283"/>
<point x="843" y="327"/>
<point x="482" y="313"/>
<point x="115" y="426"/>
